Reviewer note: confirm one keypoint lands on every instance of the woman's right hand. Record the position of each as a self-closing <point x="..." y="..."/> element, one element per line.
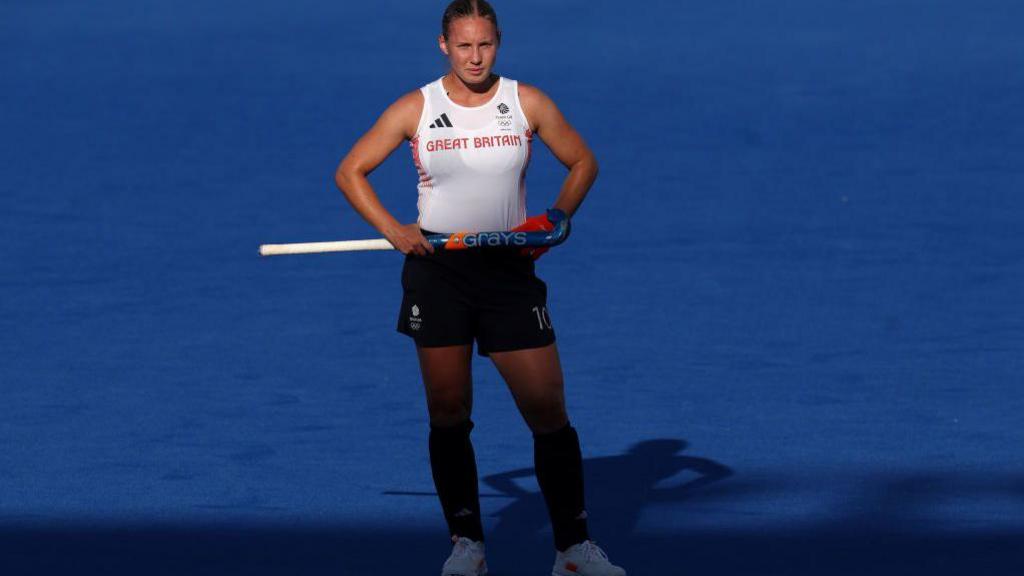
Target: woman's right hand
<point x="408" y="238"/>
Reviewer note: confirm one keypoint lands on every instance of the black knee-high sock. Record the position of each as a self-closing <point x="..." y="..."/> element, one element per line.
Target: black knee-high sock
<point x="559" y="466"/>
<point x="453" y="465"/>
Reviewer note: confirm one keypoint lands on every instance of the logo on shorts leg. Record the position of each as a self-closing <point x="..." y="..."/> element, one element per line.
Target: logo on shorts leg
<point x="543" y="318"/>
<point x="415" y="322"/>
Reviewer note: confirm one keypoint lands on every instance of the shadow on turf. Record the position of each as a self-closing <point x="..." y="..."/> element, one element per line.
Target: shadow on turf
<point x="619" y="488"/>
<point x="877" y="536"/>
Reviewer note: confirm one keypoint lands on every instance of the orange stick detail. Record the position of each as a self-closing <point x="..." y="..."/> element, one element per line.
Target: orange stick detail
<point x="456" y="242"/>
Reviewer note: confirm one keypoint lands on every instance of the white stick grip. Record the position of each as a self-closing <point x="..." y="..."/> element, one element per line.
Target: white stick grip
<point x="317" y="247"/>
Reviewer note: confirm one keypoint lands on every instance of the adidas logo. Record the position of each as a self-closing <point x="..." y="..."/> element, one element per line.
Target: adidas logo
<point x="442" y="122"/>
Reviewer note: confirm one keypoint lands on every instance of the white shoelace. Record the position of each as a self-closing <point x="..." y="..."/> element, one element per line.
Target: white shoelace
<point x="463" y="547"/>
<point x="591" y="551"/>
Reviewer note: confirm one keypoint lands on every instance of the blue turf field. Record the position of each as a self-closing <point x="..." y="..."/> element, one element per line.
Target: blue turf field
<point x="790" y="314"/>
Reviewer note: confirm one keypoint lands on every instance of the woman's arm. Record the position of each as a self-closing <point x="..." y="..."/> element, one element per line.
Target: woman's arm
<point x="397" y="124"/>
<point x="564" y="142"/>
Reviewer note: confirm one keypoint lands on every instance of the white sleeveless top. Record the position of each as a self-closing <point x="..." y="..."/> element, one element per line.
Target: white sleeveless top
<point x="472" y="161"/>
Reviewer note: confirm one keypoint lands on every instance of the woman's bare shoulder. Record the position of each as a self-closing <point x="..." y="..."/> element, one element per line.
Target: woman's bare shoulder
<point x="530" y="94"/>
<point x="405" y="112"/>
<point x="539" y="109"/>
<point x="410" y="101"/>
<point x="410" y="104"/>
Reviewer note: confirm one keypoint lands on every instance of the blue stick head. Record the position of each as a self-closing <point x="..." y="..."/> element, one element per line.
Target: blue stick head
<point x="556" y="215"/>
<point x="562" y="227"/>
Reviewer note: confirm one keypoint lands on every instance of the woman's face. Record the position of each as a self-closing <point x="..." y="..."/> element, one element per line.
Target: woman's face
<point x="471" y="48"/>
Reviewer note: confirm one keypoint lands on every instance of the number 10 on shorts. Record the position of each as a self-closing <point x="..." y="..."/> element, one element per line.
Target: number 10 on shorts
<point x="543" y="318"/>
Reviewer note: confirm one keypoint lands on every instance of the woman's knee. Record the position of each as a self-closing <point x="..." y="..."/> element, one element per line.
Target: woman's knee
<point x="544" y="413"/>
<point x="448" y="409"/>
<point x="448" y="418"/>
<point x="448" y="382"/>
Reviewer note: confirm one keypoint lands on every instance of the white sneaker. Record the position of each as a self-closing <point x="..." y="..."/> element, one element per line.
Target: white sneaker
<point x="467" y="559"/>
<point x="585" y="559"/>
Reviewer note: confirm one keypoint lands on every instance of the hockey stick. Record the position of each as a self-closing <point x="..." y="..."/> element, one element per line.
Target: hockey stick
<point x="456" y="241"/>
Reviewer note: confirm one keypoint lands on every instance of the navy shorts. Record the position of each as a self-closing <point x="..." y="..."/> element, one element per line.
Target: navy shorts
<point x="490" y="295"/>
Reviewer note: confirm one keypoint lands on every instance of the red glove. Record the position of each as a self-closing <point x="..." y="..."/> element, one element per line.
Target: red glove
<point x="538" y="223"/>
